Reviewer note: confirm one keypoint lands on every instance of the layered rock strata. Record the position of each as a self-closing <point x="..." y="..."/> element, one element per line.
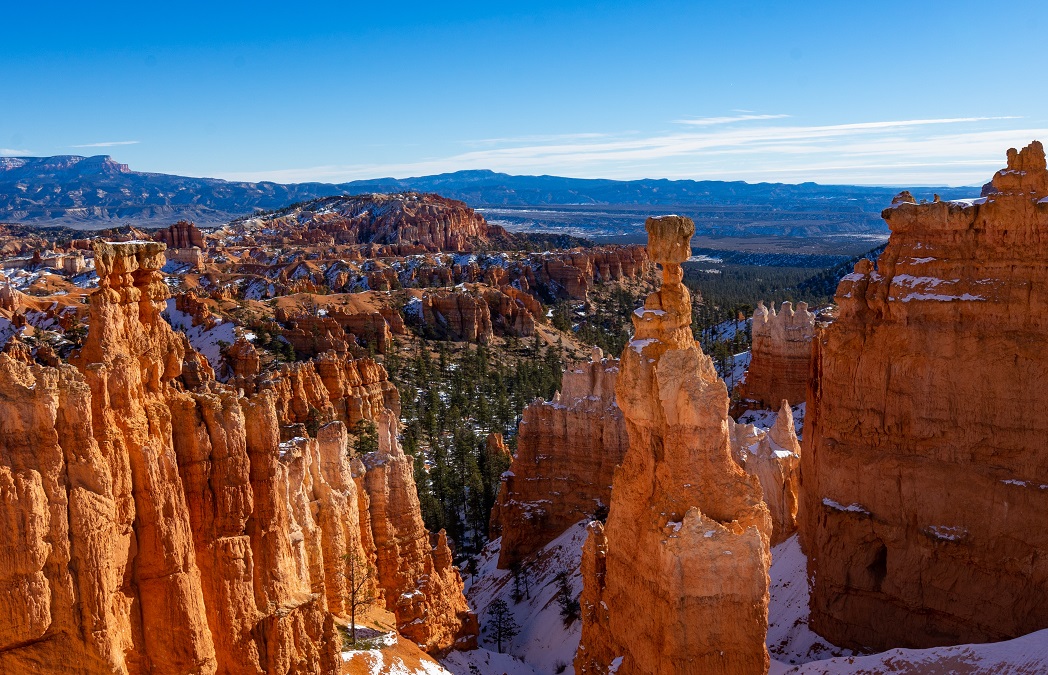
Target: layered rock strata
<point x="677" y="580"/>
<point x="567" y="451"/>
<point x="924" y="464"/>
<point x="781" y="355"/>
<point x="153" y="522"/>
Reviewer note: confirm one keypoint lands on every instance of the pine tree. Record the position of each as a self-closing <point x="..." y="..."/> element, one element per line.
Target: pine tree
<point x="501" y="625"/>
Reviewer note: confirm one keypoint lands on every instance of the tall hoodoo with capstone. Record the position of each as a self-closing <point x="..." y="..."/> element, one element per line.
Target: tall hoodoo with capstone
<point x="677" y="580"/>
<point x="924" y="480"/>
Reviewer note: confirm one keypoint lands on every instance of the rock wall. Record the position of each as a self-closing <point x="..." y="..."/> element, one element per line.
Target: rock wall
<point x="457" y="316"/>
<point x="567" y="451"/>
<point x="147" y="527"/>
<point x="573" y="273"/>
<point x="677" y="580"/>
<point x="781" y="355"/>
<point x="924" y="464"/>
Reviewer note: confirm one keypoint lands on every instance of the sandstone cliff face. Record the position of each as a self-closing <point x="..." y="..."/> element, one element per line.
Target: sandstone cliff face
<point x="781" y="355"/>
<point x="686" y="540"/>
<point x="457" y="316"/>
<point x="573" y="273"/>
<point x="922" y="474"/>
<point x="147" y="528"/>
<point x="567" y="451"/>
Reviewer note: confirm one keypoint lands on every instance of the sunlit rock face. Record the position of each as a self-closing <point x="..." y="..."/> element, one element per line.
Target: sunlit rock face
<point x="924" y="464"/>
<point x="774" y="457"/>
<point x="153" y="521"/>
<point x="686" y="543"/>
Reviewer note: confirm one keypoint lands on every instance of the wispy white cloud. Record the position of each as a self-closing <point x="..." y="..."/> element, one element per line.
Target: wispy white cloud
<point x="549" y="138"/>
<point x="10" y="152"/>
<point x="711" y="121"/>
<point x="935" y="151"/>
<point x="105" y="144"/>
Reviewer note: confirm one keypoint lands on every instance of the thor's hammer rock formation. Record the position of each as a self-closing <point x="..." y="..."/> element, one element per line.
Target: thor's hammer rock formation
<point x="677" y="580"/>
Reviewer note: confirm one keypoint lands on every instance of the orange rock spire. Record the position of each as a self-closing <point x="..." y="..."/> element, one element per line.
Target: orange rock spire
<point x="677" y="581"/>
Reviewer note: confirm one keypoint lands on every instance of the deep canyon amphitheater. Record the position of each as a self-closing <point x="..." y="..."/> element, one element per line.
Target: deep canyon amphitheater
<point x="219" y="450"/>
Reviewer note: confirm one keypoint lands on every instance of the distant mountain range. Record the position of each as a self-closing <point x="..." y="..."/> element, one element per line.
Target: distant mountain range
<point x="97" y="192"/>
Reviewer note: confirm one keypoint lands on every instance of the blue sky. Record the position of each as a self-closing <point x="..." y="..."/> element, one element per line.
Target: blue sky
<point x="836" y="92"/>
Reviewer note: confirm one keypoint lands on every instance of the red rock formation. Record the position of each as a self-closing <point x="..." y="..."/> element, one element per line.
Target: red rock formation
<point x="408" y="223"/>
<point x="677" y="581"/>
<point x="513" y="311"/>
<point x="243" y="364"/>
<point x="781" y="355"/>
<point x="457" y="316"/>
<point x="924" y="462"/>
<point x="187" y="303"/>
<point x="573" y="273"/>
<point x="567" y="451"/>
<point x="182" y="234"/>
<point x="145" y="528"/>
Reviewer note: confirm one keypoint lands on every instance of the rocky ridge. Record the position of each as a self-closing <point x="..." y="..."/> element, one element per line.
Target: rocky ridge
<point x="781" y="355"/>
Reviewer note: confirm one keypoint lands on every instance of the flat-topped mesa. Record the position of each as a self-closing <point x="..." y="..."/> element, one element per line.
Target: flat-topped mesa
<point x="922" y="475"/>
<point x="567" y="451"/>
<point x="781" y="355"/>
<point x="687" y="537"/>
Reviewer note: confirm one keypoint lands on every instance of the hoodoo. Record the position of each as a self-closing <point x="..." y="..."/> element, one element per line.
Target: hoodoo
<point x="925" y="484"/>
<point x="677" y="580"/>
<point x="781" y="355"/>
<point x="152" y="521"/>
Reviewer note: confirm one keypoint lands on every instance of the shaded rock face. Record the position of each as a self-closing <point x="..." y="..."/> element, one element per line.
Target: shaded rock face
<point x="774" y="457"/>
<point x="781" y="355"/>
<point x="145" y="528"/>
<point x="922" y="476"/>
<point x="567" y="451"/>
<point x="686" y="544"/>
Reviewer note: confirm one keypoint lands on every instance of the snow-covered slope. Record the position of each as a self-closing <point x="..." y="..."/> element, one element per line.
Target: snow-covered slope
<point x="544" y="645"/>
<point x="795" y="649"/>
<point x="1027" y="655"/>
<point x="207" y="342"/>
<point x="790" y="641"/>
